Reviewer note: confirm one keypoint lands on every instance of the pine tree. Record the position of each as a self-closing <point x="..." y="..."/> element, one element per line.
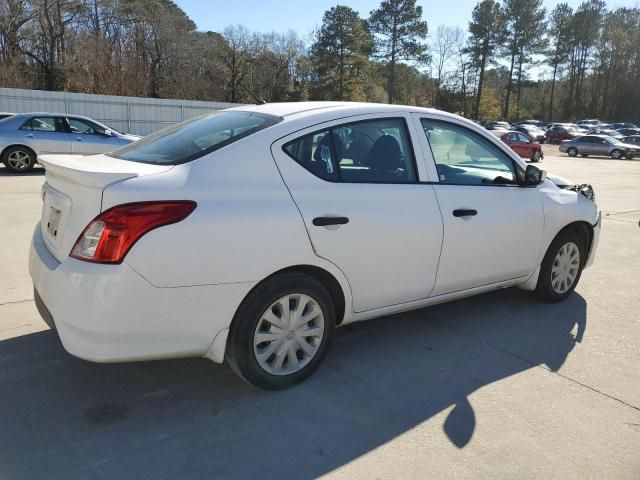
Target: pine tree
<point x="401" y="35"/>
<point x="340" y="55"/>
<point x="487" y="29"/>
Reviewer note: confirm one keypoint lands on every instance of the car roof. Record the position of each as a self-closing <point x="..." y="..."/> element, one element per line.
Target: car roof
<point x="49" y="114"/>
<point x="309" y="109"/>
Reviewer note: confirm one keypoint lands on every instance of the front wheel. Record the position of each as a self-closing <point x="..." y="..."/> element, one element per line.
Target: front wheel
<point x="281" y="331"/>
<point x="572" y="152"/>
<point x="19" y="159"/>
<point x="561" y="267"/>
<point x="616" y="154"/>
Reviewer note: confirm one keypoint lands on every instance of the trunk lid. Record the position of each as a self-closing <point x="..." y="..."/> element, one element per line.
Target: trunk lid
<point x="72" y="193"/>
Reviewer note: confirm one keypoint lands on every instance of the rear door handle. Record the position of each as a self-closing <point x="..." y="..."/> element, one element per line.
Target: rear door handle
<point x="464" y="213"/>
<point x="325" y="221"/>
<point x="79" y="139"/>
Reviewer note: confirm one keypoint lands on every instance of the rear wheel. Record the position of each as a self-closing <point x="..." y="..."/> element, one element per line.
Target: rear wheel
<point x="584" y="155"/>
<point x="281" y="331"/>
<point x="629" y="157"/>
<point x="572" y="152"/>
<point x="561" y="267"/>
<point x="616" y="154"/>
<point x="19" y="159"/>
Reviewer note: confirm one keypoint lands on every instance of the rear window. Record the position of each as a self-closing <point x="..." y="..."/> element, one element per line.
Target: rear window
<point x="195" y="138"/>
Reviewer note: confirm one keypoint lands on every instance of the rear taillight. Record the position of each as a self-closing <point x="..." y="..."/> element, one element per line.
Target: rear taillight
<point x="110" y="235"/>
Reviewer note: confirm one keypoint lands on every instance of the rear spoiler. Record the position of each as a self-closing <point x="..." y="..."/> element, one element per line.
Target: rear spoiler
<point x="96" y="171"/>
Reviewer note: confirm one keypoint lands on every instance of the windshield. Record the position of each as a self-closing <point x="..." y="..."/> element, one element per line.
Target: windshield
<point x="614" y="141"/>
<point x="195" y="138"/>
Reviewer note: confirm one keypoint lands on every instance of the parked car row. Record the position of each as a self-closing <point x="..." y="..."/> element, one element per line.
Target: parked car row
<point x="25" y="136"/>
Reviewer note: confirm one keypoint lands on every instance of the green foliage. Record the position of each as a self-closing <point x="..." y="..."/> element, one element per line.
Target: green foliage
<point x="400" y="37"/>
<point x="340" y="55"/>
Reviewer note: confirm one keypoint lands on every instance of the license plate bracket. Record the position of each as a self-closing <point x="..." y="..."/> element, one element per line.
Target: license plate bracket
<point x="53" y="223"/>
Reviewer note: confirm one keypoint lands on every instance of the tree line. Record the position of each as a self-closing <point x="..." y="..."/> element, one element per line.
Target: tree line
<point x="515" y="59"/>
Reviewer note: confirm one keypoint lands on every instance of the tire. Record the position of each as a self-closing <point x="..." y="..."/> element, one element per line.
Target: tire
<point x="555" y="270"/>
<point x="629" y="157"/>
<point x="277" y="370"/>
<point x="584" y="155"/>
<point x="19" y="159"/>
<point x="617" y="154"/>
<point x="537" y="155"/>
<point x="572" y="152"/>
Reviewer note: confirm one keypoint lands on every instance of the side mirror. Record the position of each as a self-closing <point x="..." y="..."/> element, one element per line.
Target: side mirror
<point x="108" y="133"/>
<point x="533" y="176"/>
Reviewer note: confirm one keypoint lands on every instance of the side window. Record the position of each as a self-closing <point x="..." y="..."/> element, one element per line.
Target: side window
<point x="40" y="124"/>
<point x="513" y="137"/>
<point x="463" y="157"/>
<point x="82" y="126"/>
<point x="371" y="151"/>
<point x="523" y="138"/>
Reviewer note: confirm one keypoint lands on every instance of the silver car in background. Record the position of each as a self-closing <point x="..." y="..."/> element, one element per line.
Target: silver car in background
<point x="599" y="145"/>
<point x="24" y="136"/>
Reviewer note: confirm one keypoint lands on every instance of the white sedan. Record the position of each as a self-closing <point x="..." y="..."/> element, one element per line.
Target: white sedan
<point x="249" y="234"/>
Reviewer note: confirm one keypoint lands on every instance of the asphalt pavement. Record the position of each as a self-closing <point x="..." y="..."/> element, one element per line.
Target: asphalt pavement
<point x="496" y="386"/>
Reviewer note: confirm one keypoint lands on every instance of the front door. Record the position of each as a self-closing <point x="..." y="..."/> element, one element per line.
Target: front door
<point x="88" y="138"/>
<point x="492" y="227"/>
<point x="356" y="186"/>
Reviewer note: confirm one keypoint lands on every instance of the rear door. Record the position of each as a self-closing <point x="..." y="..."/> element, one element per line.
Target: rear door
<point x="492" y="227"/>
<point x="47" y="135"/>
<point x="356" y="184"/>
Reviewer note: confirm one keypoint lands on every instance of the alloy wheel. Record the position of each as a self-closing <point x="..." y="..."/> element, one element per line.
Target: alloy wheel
<point x="288" y="334"/>
<point x="19" y="160"/>
<point x="565" y="268"/>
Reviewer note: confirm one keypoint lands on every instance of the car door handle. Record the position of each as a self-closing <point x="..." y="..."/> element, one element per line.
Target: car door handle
<point x="464" y="213"/>
<point x="79" y="139"/>
<point x="325" y="221"/>
<point x="29" y="135"/>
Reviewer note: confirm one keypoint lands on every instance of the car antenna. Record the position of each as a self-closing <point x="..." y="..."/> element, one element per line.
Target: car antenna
<point x="258" y="100"/>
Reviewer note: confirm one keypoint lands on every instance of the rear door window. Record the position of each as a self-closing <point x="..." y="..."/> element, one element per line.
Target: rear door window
<point x="44" y="124"/>
<point x="369" y="151"/>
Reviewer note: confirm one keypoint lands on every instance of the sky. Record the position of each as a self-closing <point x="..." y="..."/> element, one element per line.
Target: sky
<point x="304" y="15"/>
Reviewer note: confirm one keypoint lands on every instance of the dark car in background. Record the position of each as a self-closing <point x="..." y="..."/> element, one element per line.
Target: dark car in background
<point x="620" y="125"/>
<point x="631" y="139"/>
<point x="628" y="131"/>
<point x="602" y="145"/>
<point x="558" y="133"/>
<point x="4" y="115"/>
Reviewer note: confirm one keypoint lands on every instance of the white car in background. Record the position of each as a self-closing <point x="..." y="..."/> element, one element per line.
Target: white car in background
<point x="249" y="234"/>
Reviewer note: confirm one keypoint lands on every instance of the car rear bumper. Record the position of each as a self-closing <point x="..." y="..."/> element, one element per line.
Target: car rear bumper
<point x="109" y="313"/>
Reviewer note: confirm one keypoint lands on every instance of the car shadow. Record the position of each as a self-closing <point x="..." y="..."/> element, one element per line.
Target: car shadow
<point x="65" y="418"/>
<point x="37" y="171"/>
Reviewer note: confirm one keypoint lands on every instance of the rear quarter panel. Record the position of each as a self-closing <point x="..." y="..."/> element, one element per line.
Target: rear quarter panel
<point x="244" y="228"/>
